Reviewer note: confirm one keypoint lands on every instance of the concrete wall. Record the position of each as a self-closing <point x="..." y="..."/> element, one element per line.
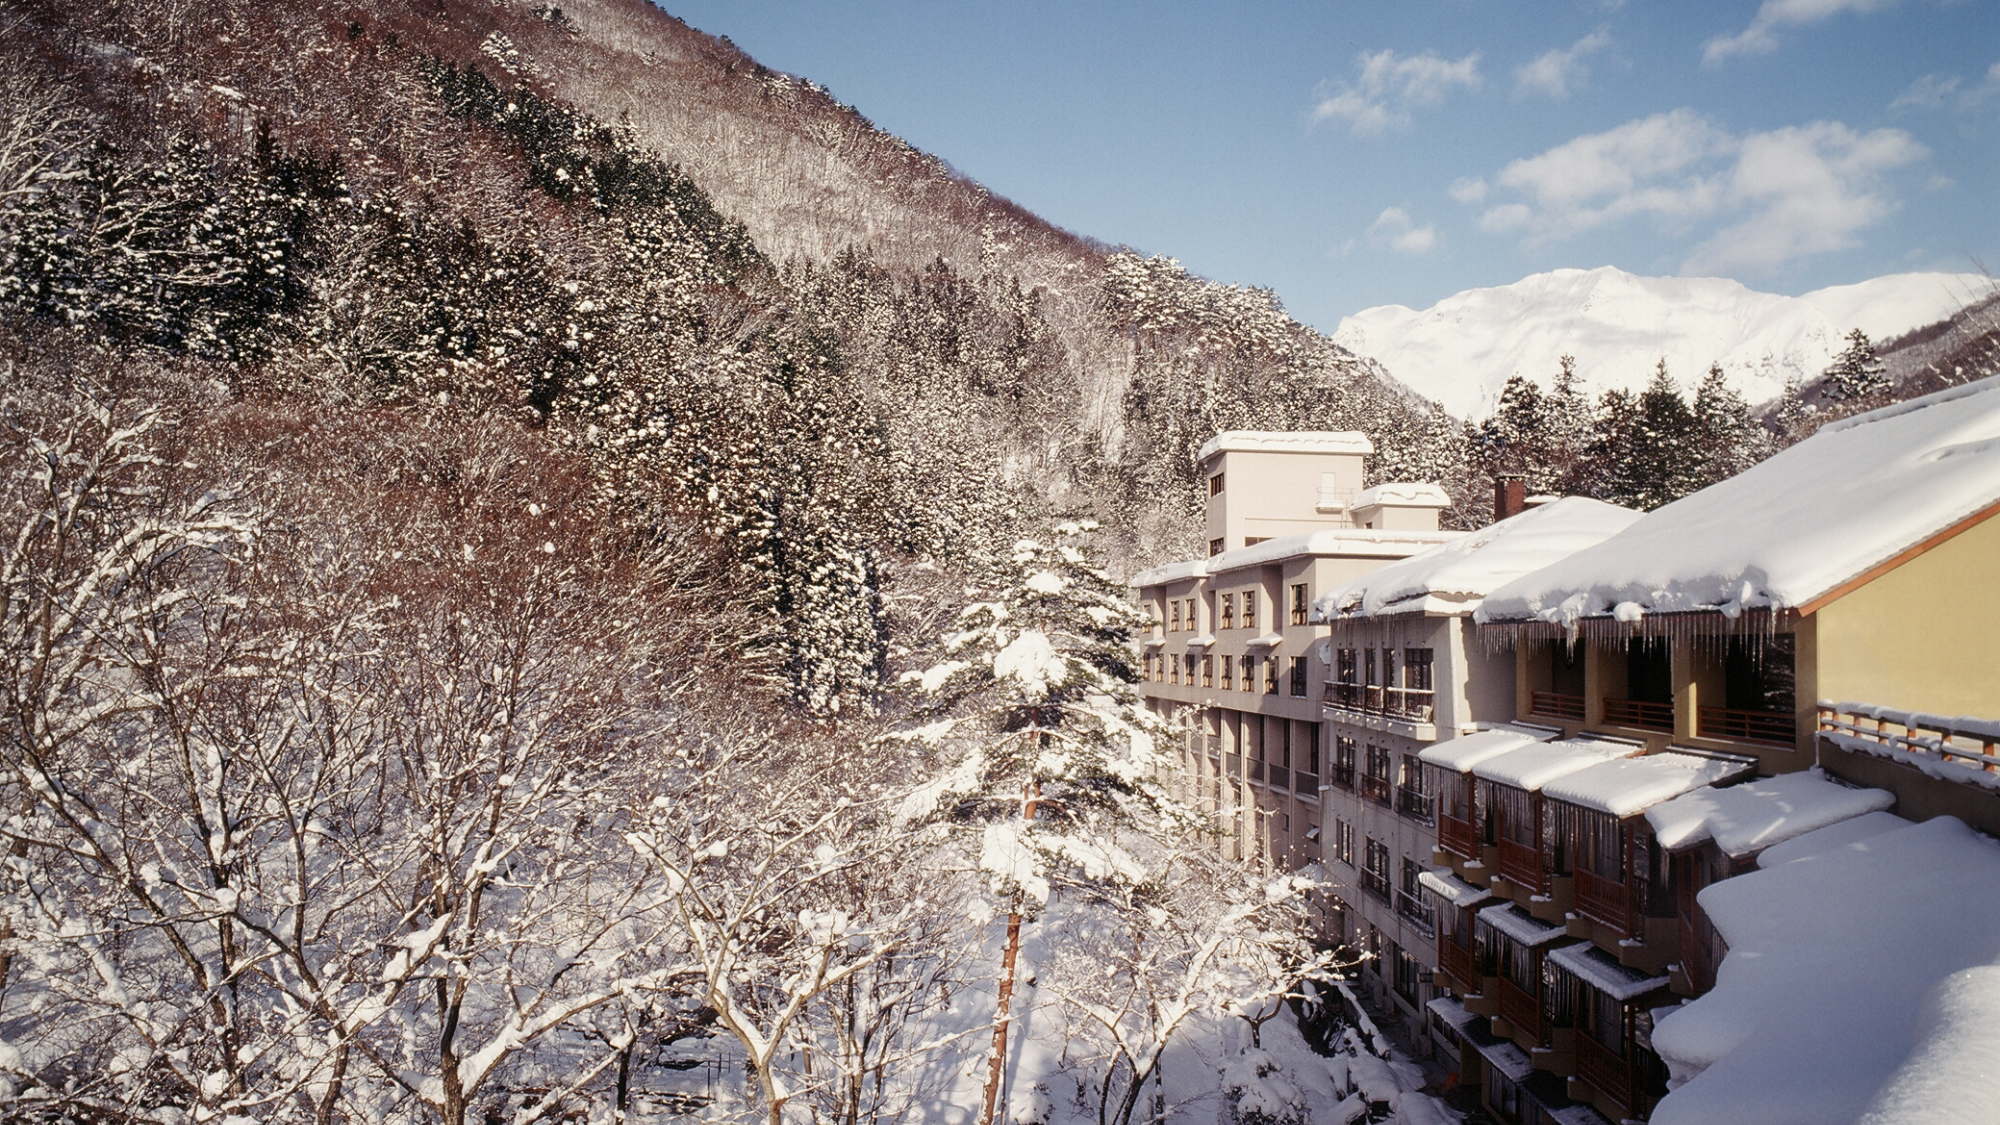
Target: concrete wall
<point x="1268" y="493"/>
<point x="1923" y="637"/>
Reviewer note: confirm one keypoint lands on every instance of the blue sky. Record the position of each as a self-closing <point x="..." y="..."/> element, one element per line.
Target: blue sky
<point x="1350" y="155"/>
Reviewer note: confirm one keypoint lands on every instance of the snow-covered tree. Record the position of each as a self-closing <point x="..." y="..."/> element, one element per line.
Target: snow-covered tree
<point x="1726" y="438"/>
<point x="1857" y="373"/>
<point x="1048" y="749"/>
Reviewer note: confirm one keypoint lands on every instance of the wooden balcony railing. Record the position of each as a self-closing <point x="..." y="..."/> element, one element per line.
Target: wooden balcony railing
<point x="1459" y="837"/>
<point x="1606" y="901"/>
<point x="1605" y="1069"/>
<point x="1964" y="742"/>
<point x="1416" y="910"/>
<point x="1556" y="705"/>
<point x="1772" y="728"/>
<point x="1460" y="963"/>
<point x="1643" y="713"/>
<point x="1415" y="805"/>
<point x="1521" y="1008"/>
<point x="1375" y="789"/>
<point x="1523" y="865"/>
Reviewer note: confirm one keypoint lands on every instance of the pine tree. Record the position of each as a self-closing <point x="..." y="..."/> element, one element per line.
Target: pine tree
<point x="1515" y="439"/>
<point x="1727" y="440"/>
<point x="1657" y="467"/>
<point x="1791" y="419"/>
<point x="1566" y="411"/>
<point x="1856" y="374"/>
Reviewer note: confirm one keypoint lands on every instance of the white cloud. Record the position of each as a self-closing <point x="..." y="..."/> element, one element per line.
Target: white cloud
<point x="1395" y="229"/>
<point x="1941" y="91"/>
<point x="1387" y="85"/>
<point x="1558" y="71"/>
<point x="1506" y="217"/>
<point x="1468" y="190"/>
<point x="1761" y="37"/>
<point x="1777" y="195"/>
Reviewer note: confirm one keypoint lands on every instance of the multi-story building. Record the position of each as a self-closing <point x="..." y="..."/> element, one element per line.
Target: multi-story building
<point x="1407" y="669"/>
<point x="1830" y="606"/>
<point x="1231" y="658"/>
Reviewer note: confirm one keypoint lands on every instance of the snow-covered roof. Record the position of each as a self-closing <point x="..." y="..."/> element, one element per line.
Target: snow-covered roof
<point x="1518" y="924"/>
<point x="1468" y="750"/>
<point x="1859" y="985"/>
<point x="1451" y="888"/>
<point x="1601" y="971"/>
<point x="1349" y="542"/>
<point x="1791" y="529"/>
<point x="1453" y="577"/>
<point x="1744" y="819"/>
<point x="1626" y="786"/>
<point x="1836" y="835"/>
<point x="1403" y="494"/>
<point x="1451" y="1012"/>
<point x="1286" y="441"/>
<point x="1532" y="766"/>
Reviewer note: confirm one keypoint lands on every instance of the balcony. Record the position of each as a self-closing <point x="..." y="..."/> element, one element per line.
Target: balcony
<point x="1305" y="784"/>
<point x="1521" y="1008"/>
<point x="1279" y="778"/>
<point x="1460" y="963"/>
<point x="1459" y="837"/>
<point x="1375" y="883"/>
<point x="1642" y="713"/>
<point x="1375" y="789"/>
<point x="1523" y="865"/>
<point x="1771" y="728"/>
<point x="1415" y="805"/>
<point x="1416" y="911"/>
<point x="1606" y="901"/>
<point x="1556" y="705"/>
<point x="1343" y="776"/>
<point x="1414" y="705"/>
<point x="1235" y="763"/>
<point x="1605" y="1069"/>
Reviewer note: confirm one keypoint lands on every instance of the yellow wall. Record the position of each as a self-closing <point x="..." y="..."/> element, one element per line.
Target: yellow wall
<point x="1923" y="637"/>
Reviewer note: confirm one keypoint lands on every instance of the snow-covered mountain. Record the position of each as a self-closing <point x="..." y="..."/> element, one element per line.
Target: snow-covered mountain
<point x="1461" y="350"/>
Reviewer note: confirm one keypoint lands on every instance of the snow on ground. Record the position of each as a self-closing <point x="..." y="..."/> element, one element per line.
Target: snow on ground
<point x="1618" y="324"/>
<point x="1791" y="528"/>
<point x="1862" y="982"/>
<point x="1453" y="577"/>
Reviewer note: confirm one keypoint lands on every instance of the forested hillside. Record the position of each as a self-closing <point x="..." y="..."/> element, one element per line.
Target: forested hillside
<point x="726" y="292"/>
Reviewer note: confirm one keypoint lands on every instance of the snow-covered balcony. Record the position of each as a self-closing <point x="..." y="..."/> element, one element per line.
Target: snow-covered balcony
<point x="1612" y="1070"/>
<point x="1936" y="764"/>
<point x="1619" y="895"/>
<point x="1744" y="689"/>
<point x="1523" y="838"/>
<point x="1463" y="836"/>
<point x="1512" y="947"/>
<point x="1454" y="903"/>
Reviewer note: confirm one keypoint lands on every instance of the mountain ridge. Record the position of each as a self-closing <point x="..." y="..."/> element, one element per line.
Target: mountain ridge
<point x="1619" y="324"/>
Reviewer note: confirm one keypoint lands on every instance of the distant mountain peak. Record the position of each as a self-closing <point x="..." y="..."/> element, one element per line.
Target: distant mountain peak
<point x="1461" y="350"/>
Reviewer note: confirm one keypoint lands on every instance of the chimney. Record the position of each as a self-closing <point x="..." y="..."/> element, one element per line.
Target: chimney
<point x="1510" y="496"/>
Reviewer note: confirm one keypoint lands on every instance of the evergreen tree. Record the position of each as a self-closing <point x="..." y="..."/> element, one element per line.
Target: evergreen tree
<point x="1566" y="430"/>
<point x="1656" y="466"/>
<point x="1791" y="419"/>
<point x="1856" y="374"/>
<point x="1727" y="440"/>
<point x="1514" y="439"/>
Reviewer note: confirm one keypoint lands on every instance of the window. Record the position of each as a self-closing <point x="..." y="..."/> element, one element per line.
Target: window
<point x="1207" y="671"/>
<point x="1417" y="669"/>
<point x="1375" y="869"/>
<point x="1404" y="978"/>
<point x="1411" y="799"/>
<point x="1298" y="676"/>
<point x="1343" y="842"/>
<point x="1299" y="603"/>
<point x="1187" y="668"/>
<point x="1228" y="672"/>
<point x="1253" y="540"/>
<point x="1215" y="546"/>
<point x="1249" y="609"/>
<point x="1249" y="672"/>
<point x="1343" y="668"/>
<point x="1229" y="611"/>
<point x="1368" y="667"/>
<point x="1151" y="661"/>
<point x="1599" y="841"/>
<point x="1215" y="485"/>
<point x="1343" y="762"/>
<point x="1513" y="815"/>
<point x="1270" y="675"/>
<point x="1375" y="782"/>
<point x="1190" y="614"/>
<point x="1176" y="626"/>
<point x="1312" y="748"/>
